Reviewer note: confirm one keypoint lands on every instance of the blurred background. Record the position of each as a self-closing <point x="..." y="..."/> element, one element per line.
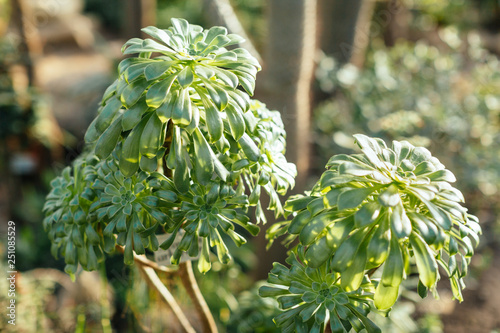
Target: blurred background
<point x="426" y="71"/>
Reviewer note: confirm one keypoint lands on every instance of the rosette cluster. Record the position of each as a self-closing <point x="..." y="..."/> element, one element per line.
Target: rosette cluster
<point x="385" y="208"/>
<point x="206" y="213"/>
<point x="130" y="209"/>
<point x="189" y="89"/>
<point x="178" y="148"/>
<point x="70" y="226"/>
<point x="262" y="165"/>
<point x="313" y="298"/>
<point x="184" y="110"/>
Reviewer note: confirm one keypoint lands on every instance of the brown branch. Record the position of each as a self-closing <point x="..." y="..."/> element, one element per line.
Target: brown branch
<point x="186" y="275"/>
<point x="189" y="281"/>
<point x="149" y="268"/>
<point x="155" y="281"/>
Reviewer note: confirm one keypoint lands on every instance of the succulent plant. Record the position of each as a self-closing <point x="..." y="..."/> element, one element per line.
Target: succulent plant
<point x="385" y="208"/>
<point x="177" y="145"/>
<point x="204" y="214"/>
<point x="192" y="84"/>
<point x="313" y="298"/>
<point x="131" y="208"/>
<point x="71" y="228"/>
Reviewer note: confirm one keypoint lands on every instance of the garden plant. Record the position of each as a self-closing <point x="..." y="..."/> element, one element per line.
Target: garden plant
<point x="178" y="147"/>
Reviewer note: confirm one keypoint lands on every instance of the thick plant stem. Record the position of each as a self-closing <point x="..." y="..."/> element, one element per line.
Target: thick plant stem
<point x="155" y="281"/>
<point x="189" y="281"/>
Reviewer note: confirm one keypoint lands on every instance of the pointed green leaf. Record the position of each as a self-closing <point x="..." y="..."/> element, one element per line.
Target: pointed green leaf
<point x="133" y="91"/>
<point x="315" y="226"/>
<point x="181" y="172"/>
<point x="203" y="163"/>
<point x="218" y="95"/>
<point x="214" y="122"/>
<point x="318" y="253"/>
<point x="129" y="159"/>
<point x="133" y="115"/>
<point x="182" y="112"/>
<point x="367" y="214"/>
<point x="151" y="138"/>
<point x="107" y="114"/>
<point x="390" y="196"/>
<point x="236" y="121"/>
<point x="400" y="223"/>
<point x="156" y="69"/>
<point x="185" y="76"/>
<point x="355" y="169"/>
<point x="299" y="221"/>
<point x="249" y="147"/>
<point x="353" y="197"/>
<point x="426" y="263"/>
<point x="352" y="276"/>
<point x="378" y="249"/>
<point x="158" y="92"/>
<point x="346" y="252"/>
<point x="387" y="291"/>
<point x="109" y="139"/>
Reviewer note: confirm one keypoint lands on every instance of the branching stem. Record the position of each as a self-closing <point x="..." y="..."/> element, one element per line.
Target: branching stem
<point x="189" y="281"/>
<point x="155" y="281"/>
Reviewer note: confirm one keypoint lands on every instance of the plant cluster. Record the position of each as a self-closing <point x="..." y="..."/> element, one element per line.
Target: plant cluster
<point x="179" y="148"/>
<point x="386" y="209"/>
<point x="177" y="144"/>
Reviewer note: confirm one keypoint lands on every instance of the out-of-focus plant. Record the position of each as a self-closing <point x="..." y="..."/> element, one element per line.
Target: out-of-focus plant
<point x="177" y="148"/>
<point x="386" y="209"/>
<point x="17" y="119"/>
<point x="253" y="313"/>
<point x="26" y="118"/>
<point x="430" y="14"/>
<point x="30" y="302"/>
<point x="44" y="302"/>
<point x="425" y="16"/>
<point x="445" y="101"/>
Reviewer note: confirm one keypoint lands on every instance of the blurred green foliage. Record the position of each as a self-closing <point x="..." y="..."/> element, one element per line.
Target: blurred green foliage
<point x="254" y="313"/>
<point x="106" y="11"/>
<point x="31" y="300"/>
<point x="251" y="14"/>
<point x="16" y="119"/>
<point x="466" y="14"/>
<point x="191" y="10"/>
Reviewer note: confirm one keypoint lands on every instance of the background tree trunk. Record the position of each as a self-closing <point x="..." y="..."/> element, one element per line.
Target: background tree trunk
<point x="337" y="20"/>
<point x="285" y="85"/>
<point x="139" y="14"/>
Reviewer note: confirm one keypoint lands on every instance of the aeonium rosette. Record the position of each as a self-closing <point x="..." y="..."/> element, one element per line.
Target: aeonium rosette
<point x="71" y="229"/>
<point x="379" y="209"/>
<point x="179" y="145"/>
<point x="207" y="213"/>
<point x="261" y="165"/>
<point x="183" y="79"/>
<point x="130" y="208"/>
<point x="313" y="298"/>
